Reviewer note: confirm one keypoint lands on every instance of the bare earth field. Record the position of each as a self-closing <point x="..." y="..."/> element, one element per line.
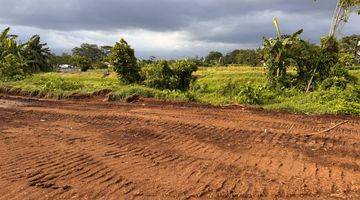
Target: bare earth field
<point x="90" y="149"/>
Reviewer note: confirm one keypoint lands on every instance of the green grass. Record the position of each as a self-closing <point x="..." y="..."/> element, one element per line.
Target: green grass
<point x="216" y="86"/>
<point x="66" y="84"/>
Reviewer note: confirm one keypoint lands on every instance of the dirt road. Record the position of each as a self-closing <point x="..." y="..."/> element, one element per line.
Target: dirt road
<point x="99" y="150"/>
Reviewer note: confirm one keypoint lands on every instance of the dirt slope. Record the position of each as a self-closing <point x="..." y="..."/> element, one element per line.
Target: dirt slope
<point x="99" y="150"/>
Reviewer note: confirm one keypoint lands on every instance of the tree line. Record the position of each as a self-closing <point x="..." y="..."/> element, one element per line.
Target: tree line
<point x="349" y="49"/>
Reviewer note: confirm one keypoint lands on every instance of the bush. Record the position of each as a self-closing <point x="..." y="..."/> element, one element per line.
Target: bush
<point x="12" y="68"/>
<point x="124" y="62"/>
<point x="347" y="59"/>
<point x="158" y="75"/>
<point x="250" y="95"/>
<point x="339" y="77"/>
<point x="161" y="75"/>
<point x="183" y="70"/>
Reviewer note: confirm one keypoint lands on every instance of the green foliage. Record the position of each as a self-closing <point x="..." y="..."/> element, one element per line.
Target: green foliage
<point x="22" y="59"/>
<point x="347" y="60"/>
<point x="12" y="68"/>
<point x="250" y="95"/>
<point x="350" y="48"/>
<point x="92" y="51"/>
<point x="339" y="77"/>
<point x="124" y="62"/>
<point x="217" y="86"/>
<point x="158" y="75"/>
<point x="351" y="5"/>
<point x="9" y="45"/>
<point x="183" y="70"/>
<point x="37" y="55"/>
<point x="312" y="64"/>
<point x="84" y="63"/>
<point x="174" y="76"/>
<point x="214" y="58"/>
<point x="277" y="57"/>
<point x="62" y="59"/>
<point x="247" y="57"/>
<point x="59" y="84"/>
<point x="332" y="101"/>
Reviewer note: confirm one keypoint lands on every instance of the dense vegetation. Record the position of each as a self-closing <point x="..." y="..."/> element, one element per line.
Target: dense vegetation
<point x="18" y="60"/>
<point x="216" y="86"/>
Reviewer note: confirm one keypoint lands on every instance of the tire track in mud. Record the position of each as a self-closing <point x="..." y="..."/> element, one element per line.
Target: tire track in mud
<point x="112" y="155"/>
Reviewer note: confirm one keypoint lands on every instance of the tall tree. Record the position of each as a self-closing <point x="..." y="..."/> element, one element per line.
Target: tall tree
<point x="123" y="59"/>
<point x="91" y="51"/>
<point x="214" y="57"/>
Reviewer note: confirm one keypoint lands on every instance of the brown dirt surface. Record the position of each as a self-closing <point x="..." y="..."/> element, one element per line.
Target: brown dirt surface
<point x="91" y="149"/>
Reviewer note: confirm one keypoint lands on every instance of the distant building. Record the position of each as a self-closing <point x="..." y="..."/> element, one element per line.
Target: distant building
<point x="68" y="68"/>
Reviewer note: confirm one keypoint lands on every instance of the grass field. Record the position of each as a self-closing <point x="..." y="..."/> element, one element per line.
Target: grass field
<point x="216" y="86"/>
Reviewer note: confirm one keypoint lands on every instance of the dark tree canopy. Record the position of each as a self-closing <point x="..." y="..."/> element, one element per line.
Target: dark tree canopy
<point x="91" y="51"/>
<point x="214" y="57"/>
<point x="249" y="57"/>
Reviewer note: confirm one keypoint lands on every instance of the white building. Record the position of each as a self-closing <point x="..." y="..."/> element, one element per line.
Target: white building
<point x="68" y="68"/>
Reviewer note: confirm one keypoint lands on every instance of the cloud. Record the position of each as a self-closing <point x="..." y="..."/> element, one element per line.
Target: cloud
<point x="166" y="27"/>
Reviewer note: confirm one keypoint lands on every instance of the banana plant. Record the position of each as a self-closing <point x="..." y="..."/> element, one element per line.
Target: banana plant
<point x="276" y="55"/>
<point x="37" y="54"/>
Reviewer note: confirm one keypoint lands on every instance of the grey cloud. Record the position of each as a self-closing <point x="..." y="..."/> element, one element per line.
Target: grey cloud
<point x="236" y="22"/>
<point x="153" y="15"/>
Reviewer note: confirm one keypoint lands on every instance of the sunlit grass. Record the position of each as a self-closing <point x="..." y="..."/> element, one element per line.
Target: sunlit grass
<point x="216" y="86"/>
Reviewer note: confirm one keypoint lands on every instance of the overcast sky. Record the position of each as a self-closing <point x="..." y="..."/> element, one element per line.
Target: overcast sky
<point x="167" y="28"/>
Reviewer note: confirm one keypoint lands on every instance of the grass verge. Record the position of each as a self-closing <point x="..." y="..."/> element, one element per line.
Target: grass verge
<point x="216" y="86"/>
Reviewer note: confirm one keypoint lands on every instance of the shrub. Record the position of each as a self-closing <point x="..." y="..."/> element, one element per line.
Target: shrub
<point x="347" y="59"/>
<point x="183" y="70"/>
<point x="161" y="75"/>
<point x="12" y="68"/>
<point x="250" y="95"/>
<point x="158" y="75"/>
<point x="124" y="62"/>
<point x="339" y="77"/>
